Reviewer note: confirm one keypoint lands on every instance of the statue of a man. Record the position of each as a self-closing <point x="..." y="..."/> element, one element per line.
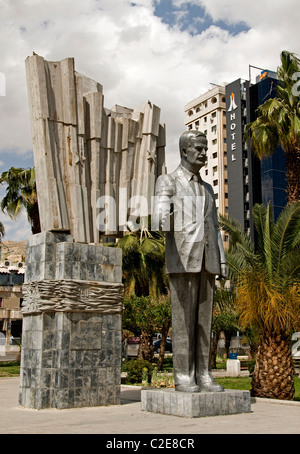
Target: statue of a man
<point x="186" y="211"/>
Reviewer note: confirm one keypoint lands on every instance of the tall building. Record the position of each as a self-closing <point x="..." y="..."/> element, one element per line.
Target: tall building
<point x="208" y="114"/>
<point x="250" y="180"/>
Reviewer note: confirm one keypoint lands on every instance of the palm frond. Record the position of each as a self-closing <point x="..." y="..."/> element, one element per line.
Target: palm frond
<point x="286" y="233"/>
<point x="234" y="229"/>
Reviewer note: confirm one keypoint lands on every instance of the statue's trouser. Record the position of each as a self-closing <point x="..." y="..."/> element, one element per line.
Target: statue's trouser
<point x="192" y="305"/>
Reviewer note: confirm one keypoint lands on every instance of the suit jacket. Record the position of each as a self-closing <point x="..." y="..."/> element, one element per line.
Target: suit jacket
<point x="195" y="240"/>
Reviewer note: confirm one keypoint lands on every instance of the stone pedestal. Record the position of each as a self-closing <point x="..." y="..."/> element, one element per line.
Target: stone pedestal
<point x="71" y="341"/>
<point x="195" y="405"/>
<point x="233" y="367"/>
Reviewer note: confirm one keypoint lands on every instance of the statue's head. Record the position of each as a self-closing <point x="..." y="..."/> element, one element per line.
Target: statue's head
<point x="193" y="148"/>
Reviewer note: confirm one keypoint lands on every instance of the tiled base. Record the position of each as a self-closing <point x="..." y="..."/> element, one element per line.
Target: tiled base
<point x="195" y="405"/>
<point x="70" y="360"/>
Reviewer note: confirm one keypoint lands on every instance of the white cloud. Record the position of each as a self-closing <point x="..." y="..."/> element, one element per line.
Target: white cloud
<point x="134" y="55"/>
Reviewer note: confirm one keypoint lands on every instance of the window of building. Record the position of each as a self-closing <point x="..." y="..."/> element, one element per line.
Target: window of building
<point x="197" y="123"/>
<point x="205" y="132"/>
<point x="216" y="196"/>
<point x="214" y="141"/>
<point x="226" y="195"/>
<point x="215" y="169"/>
<point x="215" y="182"/>
<point x="214" y="128"/>
<point x="206" y="172"/>
<point x="190" y="113"/>
<point x="215" y="155"/>
<point x="214" y="100"/>
<point x="213" y="115"/>
<point x="205" y="119"/>
<point x="223" y="99"/>
<point x="190" y="126"/>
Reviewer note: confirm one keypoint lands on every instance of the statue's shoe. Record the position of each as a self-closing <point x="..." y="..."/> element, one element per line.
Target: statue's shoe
<point x="187" y="388"/>
<point x="207" y="383"/>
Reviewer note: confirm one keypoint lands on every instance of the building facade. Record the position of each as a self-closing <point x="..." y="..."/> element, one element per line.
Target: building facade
<point x="207" y="113"/>
<point x="251" y="180"/>
<point x="11" y="297"/>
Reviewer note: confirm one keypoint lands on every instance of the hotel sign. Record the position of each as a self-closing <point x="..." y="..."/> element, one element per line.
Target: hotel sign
<point x="234" y="120"/>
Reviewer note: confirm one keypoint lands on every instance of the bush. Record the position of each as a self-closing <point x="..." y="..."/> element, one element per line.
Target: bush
<point x="134" y="368"/>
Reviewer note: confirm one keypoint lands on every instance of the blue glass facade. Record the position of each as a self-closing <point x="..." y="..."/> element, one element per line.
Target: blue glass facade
<point x="273" y="172"/>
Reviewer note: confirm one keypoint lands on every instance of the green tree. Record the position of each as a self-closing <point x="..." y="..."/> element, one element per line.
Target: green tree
<point x="2" y="231"/>
<point x="163" y="323"/>
<point x="140" y="317"/>
<point x="144" y="275"/>
<point x="143" y="315"/>
<point x="224" y="318"/>
<point x="278" y="122"/>
<point x="21" y="193"/>
<point x="267" y="293"/>
<point x="144" y="262"/>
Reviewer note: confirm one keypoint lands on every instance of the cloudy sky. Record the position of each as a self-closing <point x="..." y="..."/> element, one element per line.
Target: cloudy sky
<point x="167" y="51"/>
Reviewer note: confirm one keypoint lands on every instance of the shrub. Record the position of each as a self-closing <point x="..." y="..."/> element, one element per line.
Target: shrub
<point x="134" y="368"/>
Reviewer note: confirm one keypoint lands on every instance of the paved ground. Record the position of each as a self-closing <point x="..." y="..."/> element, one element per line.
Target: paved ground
<point x="266" y="417"/>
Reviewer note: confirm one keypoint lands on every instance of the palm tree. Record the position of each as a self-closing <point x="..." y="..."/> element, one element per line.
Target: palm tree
<point x="278" y="122"/>
<point x="144" y="262"/>
<point x="21" y="193"/>
<point x="2" y="231"/>
<point x="143" y="269"/>
<point x="224" y="318"/>
<point x="267" y="293"/>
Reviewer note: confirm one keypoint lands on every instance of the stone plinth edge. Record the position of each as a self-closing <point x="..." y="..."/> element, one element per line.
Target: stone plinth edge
<point x="195" y="405"/>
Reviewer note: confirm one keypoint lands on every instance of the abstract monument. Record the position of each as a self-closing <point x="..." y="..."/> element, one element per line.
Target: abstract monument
<point x="84" y="155"/>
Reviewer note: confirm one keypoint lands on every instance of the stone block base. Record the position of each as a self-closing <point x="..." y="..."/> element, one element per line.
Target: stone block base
<point x="70" y="360"/>
<point x="195" y="405"/>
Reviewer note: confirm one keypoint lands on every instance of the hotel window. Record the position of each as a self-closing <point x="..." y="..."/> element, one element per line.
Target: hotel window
<point x="215" y="182"/>
<point x="214" y="128"/>
<point x="214" y="141"/>
<point x="215" y="155"/>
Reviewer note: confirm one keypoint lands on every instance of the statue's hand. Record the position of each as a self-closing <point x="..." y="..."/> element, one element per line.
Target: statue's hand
<point x="224" y="271"/>
<point x="167" y="223"/>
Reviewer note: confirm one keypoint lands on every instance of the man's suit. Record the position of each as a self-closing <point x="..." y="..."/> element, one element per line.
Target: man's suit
<point x="194" y="251"/>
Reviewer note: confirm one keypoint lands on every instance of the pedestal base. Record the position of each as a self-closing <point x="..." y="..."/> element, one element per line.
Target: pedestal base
<point x="70" y="360"/>
<point x="195" y="405"/>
